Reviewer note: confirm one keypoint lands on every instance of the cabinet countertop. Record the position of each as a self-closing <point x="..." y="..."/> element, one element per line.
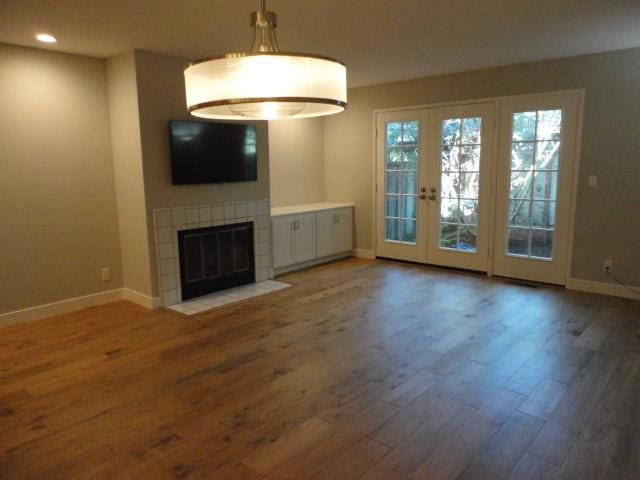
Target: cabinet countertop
<point x="307" y="208"/>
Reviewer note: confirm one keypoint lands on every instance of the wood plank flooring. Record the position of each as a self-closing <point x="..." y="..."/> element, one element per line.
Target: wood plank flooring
<point x="367" y="370"/>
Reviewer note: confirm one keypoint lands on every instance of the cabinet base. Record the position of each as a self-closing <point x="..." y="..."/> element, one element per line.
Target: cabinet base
<point x="311" y="263"/>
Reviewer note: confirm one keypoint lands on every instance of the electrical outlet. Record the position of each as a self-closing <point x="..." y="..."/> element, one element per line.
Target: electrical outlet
<point x="106" y="274"/>
<point x="607" y="266"/>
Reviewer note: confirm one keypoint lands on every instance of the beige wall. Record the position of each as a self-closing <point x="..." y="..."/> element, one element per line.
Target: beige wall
<point x="161" y="98"/>
<point x="58" y="222"/>
<point x="607" y="224"/>
<point x="129" y="180"/>
<point x="296" y="161"/>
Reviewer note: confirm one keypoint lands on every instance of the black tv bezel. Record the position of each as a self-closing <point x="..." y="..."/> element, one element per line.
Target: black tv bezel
<point x="208" y="182"/>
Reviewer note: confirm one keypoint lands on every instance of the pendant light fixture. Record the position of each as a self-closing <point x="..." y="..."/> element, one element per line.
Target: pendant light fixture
<point x="265" y="83"/>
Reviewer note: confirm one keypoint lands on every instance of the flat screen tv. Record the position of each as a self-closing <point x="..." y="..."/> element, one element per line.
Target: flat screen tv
<point x="204" y="152"/>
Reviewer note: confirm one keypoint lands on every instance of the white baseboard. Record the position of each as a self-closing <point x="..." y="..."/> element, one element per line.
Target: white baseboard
<point x="363" y="253"/>
<point x="602" y="288"/>
<point x="141" y="299"/>
<point x="310" y="263"/>
<point x="57" y="308"/>
<point x="77" y="303"/>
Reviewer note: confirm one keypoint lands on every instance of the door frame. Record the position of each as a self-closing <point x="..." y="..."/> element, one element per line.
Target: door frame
<point x="494" y="162"/>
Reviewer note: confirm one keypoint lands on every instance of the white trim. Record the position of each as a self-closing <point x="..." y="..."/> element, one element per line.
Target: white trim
<point x="473" y="101"/>
<point x="363" y="253"/>
<point x="601" y="288"/>
<point x="57" y="308"/>
<point x="311" y="263"/>
<point x="141" y="299"/>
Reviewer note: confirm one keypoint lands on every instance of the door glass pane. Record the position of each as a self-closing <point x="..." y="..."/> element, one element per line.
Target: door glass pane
<point x="460" y="183"/>
<point x="535" y="161"/>
<point x="402" y="157"/>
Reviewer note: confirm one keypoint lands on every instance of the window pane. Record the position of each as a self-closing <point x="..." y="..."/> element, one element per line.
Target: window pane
<point x="408" y="206"/>
<point x="542" y="243"/>
<point x="469" y="212"/>
<point x="471" y="130"/>
<point x="409" y="182"/>
<point x="468" y="239"/>
<point x="545" y="185"/>
<point x="393" y="206"/>
<point x="549" y="123"/>
<point x="522" y="156"/>
<point x="520" y="184"/>
<point x="524" y="126"/>
<point x="394" y="158"/>
<point x="448" y="235"/>
<point x="394" y="133"/>
<point x="547" y="155"/>
<point x="543" y="214"/>
<point x="519" y="213"/>
<point x="451" y="131"/>
<point x="393" y="232"/>
<point x="410" y="132"/>
<point x="450" y="185"/>
<point x="450" y="156"/>
<point x="393" y="182"/>
<point x="409" y="231"/>
<point x="469" y="185"/>
<point x="449" y="210"/>
<point x="410" y="158"/>
<point x="470" y="159"/>
<point x="518" y="241"/>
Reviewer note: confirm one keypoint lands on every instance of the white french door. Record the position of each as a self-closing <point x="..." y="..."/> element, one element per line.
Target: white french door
<point x="456" y="188"/>
<point x="401" y="174"/>
<point x="433" y="185"/>
<point x="460" y="153"/>
<point x="535" y="187"/>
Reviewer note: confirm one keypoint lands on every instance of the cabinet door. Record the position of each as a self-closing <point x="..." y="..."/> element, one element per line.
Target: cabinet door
<point x="304" y="238"/>
<point x="343" y="230"/>
<point x="283" y="238"/>
<point x="324" y="233"/>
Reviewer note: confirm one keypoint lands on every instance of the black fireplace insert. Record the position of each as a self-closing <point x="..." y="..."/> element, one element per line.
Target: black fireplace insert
<point x="215" y="258"/>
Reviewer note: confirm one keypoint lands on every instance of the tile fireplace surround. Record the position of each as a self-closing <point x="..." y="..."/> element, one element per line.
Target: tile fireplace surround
<point x="168" y="221"/>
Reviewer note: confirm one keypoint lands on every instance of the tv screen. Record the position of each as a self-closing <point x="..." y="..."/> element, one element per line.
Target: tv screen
<point x="204" y="152"/>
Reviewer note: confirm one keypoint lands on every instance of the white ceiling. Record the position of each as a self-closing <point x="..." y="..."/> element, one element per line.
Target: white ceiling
<point x="380" y="41"/>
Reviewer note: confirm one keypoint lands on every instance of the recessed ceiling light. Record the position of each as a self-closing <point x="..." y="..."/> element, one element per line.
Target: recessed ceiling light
<point x="46" y="38"/>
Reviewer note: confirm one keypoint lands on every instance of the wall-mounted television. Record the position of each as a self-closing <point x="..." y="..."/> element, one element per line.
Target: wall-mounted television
<point x="205" y="152"/>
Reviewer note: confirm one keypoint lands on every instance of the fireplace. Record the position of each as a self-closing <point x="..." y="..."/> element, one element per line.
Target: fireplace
<point x="215" y="258"/>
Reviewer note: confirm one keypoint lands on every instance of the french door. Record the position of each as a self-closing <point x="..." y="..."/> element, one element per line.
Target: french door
<point x="535" y="187"/>
<point x="434" y="183"/>
<point x="452" y="190"/>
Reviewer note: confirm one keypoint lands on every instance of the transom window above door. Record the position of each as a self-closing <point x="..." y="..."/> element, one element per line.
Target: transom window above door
<point x="402" y="154"/>
<point x="535" y="151"/>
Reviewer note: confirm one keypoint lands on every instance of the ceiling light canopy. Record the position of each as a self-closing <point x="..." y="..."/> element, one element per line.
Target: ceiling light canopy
<point x="265" y="83"/>
<point x="46" y="38"/>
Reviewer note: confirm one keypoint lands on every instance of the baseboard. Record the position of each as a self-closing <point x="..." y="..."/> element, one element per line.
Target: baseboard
<point x="57" y="308"/>
<point x="363" y="253"/>
<point x="311" y="263"/>
<point x="601" y="288"/>
<point x="141" y="299"/>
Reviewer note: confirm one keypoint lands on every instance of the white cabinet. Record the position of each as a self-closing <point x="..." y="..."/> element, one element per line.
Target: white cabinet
<point x="334" y="231"/>
<point x="309" y="232"/>
<point x="293" y="240"/>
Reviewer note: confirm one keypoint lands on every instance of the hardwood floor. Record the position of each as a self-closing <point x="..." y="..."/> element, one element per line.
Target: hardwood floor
<point x="363" y="370"/>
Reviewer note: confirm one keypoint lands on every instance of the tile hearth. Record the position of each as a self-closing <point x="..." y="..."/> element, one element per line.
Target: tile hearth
<point x="227" y="297"/>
